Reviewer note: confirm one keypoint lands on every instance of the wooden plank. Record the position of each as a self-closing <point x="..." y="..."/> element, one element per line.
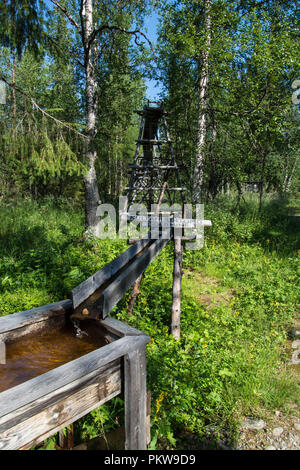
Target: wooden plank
<point x="17" y="397"/>
<point x="152" y="141"/>
<point x="174" y="222"/>
<point x="190" y="223"/>
<point x="155" y="167"/>
<point x="136" y="286"/>
<point x="119" y="328"/>
<point x="135" y="400"/>
<point x="31" y="408"/>
<point x="115" y="291"/>
<point x="94" y="282"/>
<point x="148" y="417"/>
<point x="150" y="188"/>
<point x="22" y="323"/>
<point x="66" y="410"/>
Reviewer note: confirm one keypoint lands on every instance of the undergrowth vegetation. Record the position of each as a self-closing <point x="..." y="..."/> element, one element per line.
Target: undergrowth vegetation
<point x="239" y="298"/>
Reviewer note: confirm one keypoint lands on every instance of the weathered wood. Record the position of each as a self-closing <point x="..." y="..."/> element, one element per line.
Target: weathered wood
<point x="135" y="399"/>
<point x="66" y="437"/>
<point x="151" y="188"/>
<point x="31" y="412"/>
<point x="94" y="282"/>
<point x="190" y="223"/>
<point x="134" y="294"/>
<point x="148" y="417"/>
<point x="174" y="221"/>
<point x="36" y="409"/>
<point x="152" y="141"/>
<point x="116" y="289"/>
<point x="19" y="324"/>
<point x="17" y="397"/>
<point x="177" y="275"/>
<point x="52" y="418"/>
<point x="119" y="328"/>
<point x="154" y="167"/>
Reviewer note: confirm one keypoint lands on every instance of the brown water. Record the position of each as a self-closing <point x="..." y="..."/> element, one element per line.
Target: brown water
<point x="36" y="354"/>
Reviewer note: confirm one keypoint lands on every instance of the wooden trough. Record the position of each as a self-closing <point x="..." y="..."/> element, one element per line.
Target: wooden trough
<point x="40" y="406"/>
<point x="34" y="410"/>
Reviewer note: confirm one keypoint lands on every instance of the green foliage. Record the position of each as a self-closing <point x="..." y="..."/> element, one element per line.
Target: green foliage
<point x="252" y="62"/>
<point x="226" y="362"/>
<point x="21" y="24"/>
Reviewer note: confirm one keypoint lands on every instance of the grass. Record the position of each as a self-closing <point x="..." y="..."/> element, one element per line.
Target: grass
<point x="238" y="302"/>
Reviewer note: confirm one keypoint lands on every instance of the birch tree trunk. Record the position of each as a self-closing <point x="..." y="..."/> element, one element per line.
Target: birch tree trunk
<point x="198" y="176"/>
<point x="289" y="176"/>
<point x="90" y="178"/>
<point x="14" y="107"/>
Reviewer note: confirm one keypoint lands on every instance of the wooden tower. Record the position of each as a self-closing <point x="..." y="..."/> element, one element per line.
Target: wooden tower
<point x="154" y="161"/>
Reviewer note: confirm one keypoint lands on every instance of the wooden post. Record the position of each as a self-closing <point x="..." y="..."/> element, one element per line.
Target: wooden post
<point x="148" y="418"/>
<point x="134" y="293"/>
<point x="177" y="275"/>
<point x="66" y="437"/>
<point x="135" y="399"/>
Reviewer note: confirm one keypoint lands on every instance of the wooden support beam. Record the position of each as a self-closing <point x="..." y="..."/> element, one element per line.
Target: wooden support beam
<point x="134" y="294"/>
<point x="66" y="437"/>
<point x="135" y="399"/>
<point x="148" y="418"/>
<point x="176" y="294"/>
<point x="84" y="290"/>
<point x="117" y="288"/>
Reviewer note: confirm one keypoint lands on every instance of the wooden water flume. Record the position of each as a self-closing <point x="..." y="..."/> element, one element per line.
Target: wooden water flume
<point x="39" y="407"/>
<point x="34" y="410"/>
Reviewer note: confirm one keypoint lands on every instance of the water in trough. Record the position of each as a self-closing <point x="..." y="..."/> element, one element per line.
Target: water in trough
<point x="36" y="354"/>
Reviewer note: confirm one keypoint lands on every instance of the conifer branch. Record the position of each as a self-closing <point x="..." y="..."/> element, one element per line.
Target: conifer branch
<point x="36" y="106"/>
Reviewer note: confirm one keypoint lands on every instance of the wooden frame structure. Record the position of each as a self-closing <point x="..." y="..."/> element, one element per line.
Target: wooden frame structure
<point x="36" y="409"/>
<point x="155" y="173"/>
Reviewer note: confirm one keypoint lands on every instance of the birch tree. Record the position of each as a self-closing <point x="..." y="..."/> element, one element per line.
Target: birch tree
<point x="92" y="21"/>
<point x="203" y="72"/>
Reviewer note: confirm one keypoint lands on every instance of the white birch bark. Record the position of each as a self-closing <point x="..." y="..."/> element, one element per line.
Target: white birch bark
<point x="90" y="178"/>
<point x="198" y="176"/>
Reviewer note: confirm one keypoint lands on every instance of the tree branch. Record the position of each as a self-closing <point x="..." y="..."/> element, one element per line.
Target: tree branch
<point x="58" y="49"/>
<point x="122" y="30"/>
<point x="66" y="13"/>
<point x="57" y="121"/>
